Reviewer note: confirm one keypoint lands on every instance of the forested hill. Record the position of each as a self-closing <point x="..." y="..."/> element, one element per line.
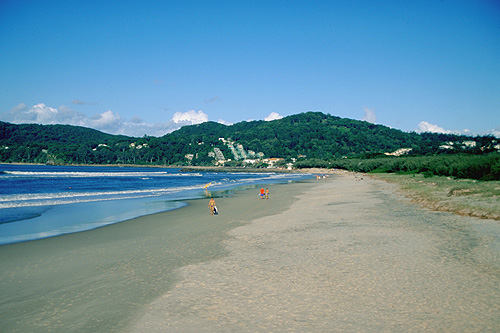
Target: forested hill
<point x="59" y="144"/>
<point x="307" y="135"/>
<point x="33" y="133"/>
<point x="315" y="135"/>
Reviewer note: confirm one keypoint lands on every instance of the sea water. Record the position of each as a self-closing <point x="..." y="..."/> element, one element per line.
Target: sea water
<point x="39" y="201"/>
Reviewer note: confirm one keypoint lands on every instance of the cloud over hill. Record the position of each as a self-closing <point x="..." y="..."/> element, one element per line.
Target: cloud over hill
<point x="107" y="121"/>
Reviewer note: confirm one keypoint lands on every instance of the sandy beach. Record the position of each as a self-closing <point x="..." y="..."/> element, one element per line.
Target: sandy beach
<point x="347" y="256"/>
<point x="97" y="280"/>
<point x="341" y="254"/>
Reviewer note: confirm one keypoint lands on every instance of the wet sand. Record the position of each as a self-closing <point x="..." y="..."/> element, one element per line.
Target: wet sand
<point x="97" y="280"/>
<point x="329" y="255"/>
<point x="347" y="256"/>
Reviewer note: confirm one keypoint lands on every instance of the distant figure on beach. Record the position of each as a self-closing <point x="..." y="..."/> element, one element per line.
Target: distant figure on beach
<point x="212" y="207"/>
<point x="267" y="193"/>
<point x="262" y="192"/>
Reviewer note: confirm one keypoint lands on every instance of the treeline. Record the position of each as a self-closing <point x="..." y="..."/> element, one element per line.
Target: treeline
<point x="310" y="134"/>
<point x="311" y="138"/>
<point x="480" y="167"/>
<point x="65" y="144"/>
<point x="315" y="135"/>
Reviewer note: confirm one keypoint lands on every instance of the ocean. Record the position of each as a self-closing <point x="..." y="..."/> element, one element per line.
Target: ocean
<point x="38" y="201"/>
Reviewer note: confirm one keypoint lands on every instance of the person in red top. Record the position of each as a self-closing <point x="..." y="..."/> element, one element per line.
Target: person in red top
<point x="262" y="193"/>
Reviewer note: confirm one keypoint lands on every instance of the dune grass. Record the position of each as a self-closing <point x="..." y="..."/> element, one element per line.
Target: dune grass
<point x="460" y="196"/>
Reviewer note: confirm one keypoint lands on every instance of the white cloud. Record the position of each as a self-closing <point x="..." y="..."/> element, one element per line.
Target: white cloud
<point x="273" y="116"/>
<point x="224" y="122"/>
<point x="139" y="129"/>
<point x="424" y="126"/>
<point x="136" y="119"/>
<point x="369" y="115"/>
<point x="495" y="132"/>
<point x="108" y="121"/>
<point x="190" y="117"/>
<point x="43" y="114"/>
<point x="18" y="108"/>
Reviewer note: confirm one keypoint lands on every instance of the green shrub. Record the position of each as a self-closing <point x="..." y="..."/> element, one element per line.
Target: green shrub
<point x="480" y="167"/>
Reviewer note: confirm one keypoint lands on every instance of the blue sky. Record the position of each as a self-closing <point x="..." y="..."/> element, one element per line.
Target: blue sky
<point x="148" y="67"/>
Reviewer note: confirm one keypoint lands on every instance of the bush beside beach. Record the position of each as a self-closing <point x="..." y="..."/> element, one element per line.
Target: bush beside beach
<point x="467" y="197"/>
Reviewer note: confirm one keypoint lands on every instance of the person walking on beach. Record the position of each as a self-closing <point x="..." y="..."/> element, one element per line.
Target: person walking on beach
<point x="267" y="193"/>
<point x="262" y="193"/>
<point x="212" y="207"/>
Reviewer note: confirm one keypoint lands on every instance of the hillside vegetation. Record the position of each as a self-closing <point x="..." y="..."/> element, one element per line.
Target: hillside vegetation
<point x="308" y="139"/>
<point x="480" y="167"/>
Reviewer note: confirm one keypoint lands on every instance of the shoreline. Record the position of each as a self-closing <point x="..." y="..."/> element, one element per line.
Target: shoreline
<point x="120" y="268"/>
<point x="259" y="170"/>
<point x="191" y="168"/>
<point x="95" y="165"/>
<point x="482" y="207"/>
<point x="82" y="214"/>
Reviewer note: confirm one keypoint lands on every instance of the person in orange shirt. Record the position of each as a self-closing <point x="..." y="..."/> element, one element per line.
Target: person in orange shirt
<point x="262" y="193"/>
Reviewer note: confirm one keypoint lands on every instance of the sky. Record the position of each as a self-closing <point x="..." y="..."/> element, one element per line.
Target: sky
<point x="149" y="67"/>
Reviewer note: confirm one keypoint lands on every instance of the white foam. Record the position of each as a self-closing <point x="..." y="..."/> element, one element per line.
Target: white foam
<point x="60" y="198"/>
<point x="63" y="174"/>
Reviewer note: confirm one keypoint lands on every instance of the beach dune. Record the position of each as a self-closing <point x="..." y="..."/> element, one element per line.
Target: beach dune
<point x="335" y="254"/>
